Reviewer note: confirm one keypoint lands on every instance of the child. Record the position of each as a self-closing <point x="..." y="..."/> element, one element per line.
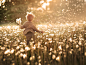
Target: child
<point x="29" y="28"/>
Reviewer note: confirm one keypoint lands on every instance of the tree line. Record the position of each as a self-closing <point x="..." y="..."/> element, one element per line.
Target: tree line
<point x="66" y="9"/>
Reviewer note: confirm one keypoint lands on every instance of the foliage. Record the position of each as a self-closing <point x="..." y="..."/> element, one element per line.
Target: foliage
<point x="16" y="9"/>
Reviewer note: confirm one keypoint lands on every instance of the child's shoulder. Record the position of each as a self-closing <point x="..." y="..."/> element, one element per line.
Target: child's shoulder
<point x="26" y="22"/>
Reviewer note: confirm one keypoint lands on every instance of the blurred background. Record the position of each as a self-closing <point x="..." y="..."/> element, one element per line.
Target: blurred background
<point x="45" y="11"/>
<point x="63" y="41"/>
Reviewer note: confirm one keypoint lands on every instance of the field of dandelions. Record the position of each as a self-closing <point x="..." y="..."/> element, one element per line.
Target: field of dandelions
<point x="60" y="44"/>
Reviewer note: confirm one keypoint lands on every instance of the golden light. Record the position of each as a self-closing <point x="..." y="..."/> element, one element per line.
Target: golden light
<point x="60" y="48"/>
<point x="57" y="49"/>
<point x="77" y="46"/>
<point x="33" y="57"/>
<point x="24" y="56"/>
<point x="34" y="47"/>
<point x="17" y="47"/>
<point x="84" y="22"/>
<point x="2" y="48"/>
<point x="76" y="24"/>
<point x="67" y="46"/>
<point x="39" y="60"/>
<point x="27" y="48"/>
<point x="18" y="20"/>
<point x="41" y="2"/>
<point x="70" y="52"/>
<point x="39" y="64"/>
<point x="44" y="6"/>
<point x="47" y="4"/>
<point x="67" y="24"/>
<point x="4" y="59"/>
<point x="28" y="63"/>
<point x="85" y="54"/>
<point x="13" y="63"/>
<point x="51" y="35"/>
<point x="39" y="9"/>
<point x="54" y="51"/>
<point x="0" y="3"/>
<point x="9" y="0"/>
<point x="49" y="0"/>
<point x="80" y="43"/>
<point x="70" y="39"/>
<point x="7" y="51"/>
<point x="21" y="55"/>
<point x="3" y="1"/>
<point x="39" y="57"/>
<point x="12" y="51"/>
<point x="79" y="49"/>
<point x="17" y="53"/>
<point x="45" y="43"/>
<point x="60" y="52"/>
<point x="50" y="53"/>
<point x="29" y="13"/>
<point x="3" y="6"/>
<point x="58" y="58"/>
<point x="85" y="0"/>
<point x="64" y="55"/>
<point x="21" y="50"/>
<point x="53" y="56"/>
<point x="51" y="49"/>
<point x="8" y="27"/>
<point x="39" y="44"/>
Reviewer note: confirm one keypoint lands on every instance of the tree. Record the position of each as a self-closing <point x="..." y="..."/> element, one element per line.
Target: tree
<point x="16" y="9"/>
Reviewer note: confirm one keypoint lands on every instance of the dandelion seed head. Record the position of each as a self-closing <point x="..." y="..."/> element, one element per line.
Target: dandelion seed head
<point x="53" y="56"/>
<point x="39" y="64"/>
<point x="39" y="57"/>
<point x="28" y="63"/>
<point x="24" y="56"/>
<point x="12" y="51"/>
<point x="58" y="58"/>
<point x="27" y="48"/>
<point x="21" y="55"/>
<point x="7" y="51"/>
<point x="34" y="47"/>
<point x="31" y="58"/>
<point x="77" y="46"/>
<point x="60" y="48"/>
<point x="85" y="53"/>
<point x="51" y="49"/>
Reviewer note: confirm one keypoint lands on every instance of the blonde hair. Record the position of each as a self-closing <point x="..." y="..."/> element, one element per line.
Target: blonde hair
<point x="30" y="16"/>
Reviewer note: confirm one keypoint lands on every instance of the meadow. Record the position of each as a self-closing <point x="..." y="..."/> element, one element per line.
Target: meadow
<point x="60" y="44"/>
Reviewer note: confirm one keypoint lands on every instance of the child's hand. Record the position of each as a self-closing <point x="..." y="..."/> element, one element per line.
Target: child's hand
<point x="42" y="31"/>
<point x="19" y="23"/>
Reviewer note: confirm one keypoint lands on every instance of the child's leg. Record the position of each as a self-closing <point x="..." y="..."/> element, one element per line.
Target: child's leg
<point x="29" y="36"/>
<point x="28" y="39"/>
<point x="28" y="42"/>
<point x="33" y="38"/>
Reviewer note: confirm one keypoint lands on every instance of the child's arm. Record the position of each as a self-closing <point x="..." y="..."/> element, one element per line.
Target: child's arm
<point x="35" y="29"/>
<point x="21" y="26"/>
